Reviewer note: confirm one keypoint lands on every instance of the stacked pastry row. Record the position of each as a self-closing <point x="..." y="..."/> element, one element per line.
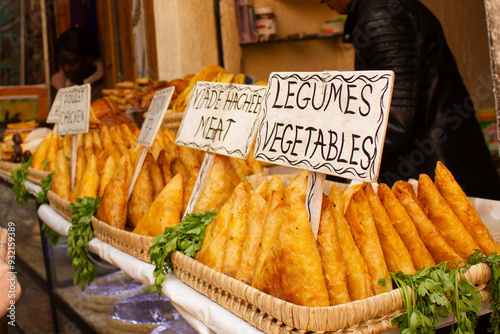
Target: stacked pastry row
<point x="108" y="157"/>
<point x="263" y="237"/>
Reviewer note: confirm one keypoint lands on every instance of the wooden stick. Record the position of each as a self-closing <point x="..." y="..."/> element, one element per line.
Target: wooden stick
<point x="314" y="198"/>
<point x="74" y="150"/>
<point x="137" y="170"/>
<point x="205" y="168"/>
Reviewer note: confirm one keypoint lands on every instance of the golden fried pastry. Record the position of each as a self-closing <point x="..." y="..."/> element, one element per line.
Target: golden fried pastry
<point x="358" y="277"/>
<point x="445" y="219"/>
<point x="405" y="227"/>
<point x="430" y="234"/>
<point x="292" y="270"/>
<point x="40" y="154"/>
<point x="276" y="215"/>
<point x="332" y="260"/>
<point x="257" y="210"/>
<point x="90" y="180"/>
<point x="142" y="196"/>
<point x="236" y="231"/>
<point x="61" y="180"/>
<point x="365" y="235"/>
<point x="113" y="206"/>
<point x="107" y="173"/>
<point x="211" y="252"/>
<point x="464" y="210"/>
<point x="297" y="188"/>
<point x="218" y="186"/>
<point x="165" y="210"/>
<point x="396" y="255"/>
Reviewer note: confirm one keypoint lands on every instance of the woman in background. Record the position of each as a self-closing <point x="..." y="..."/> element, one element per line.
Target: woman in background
<point x="77" y="56"/>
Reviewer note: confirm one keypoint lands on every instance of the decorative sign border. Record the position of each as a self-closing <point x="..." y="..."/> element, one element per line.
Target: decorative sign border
<point x="282" y="104"/>
<point x="216" y="107"/>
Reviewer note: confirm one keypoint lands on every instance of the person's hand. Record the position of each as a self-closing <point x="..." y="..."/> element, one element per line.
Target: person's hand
<point x="10" y="290"/>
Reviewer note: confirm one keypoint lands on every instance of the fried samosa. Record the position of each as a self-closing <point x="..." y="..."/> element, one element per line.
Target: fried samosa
<point x="296" y="189"/>
<point x="212" y="248"/>
<point x="257" y="210"/>
<point x="292" y="270"/>
<point x="107" y="173"/>
<point x="445" y="219"/>
<point x="218" y="187"/>
<point x="113" y="206"/>
<point x="431" y="236"/>
<point x="165" y="210"/>
<point x="236" y="231"/>
<point x="358" y="277"/>
<point x="141" y="197"/>
<point x="61" y="180"/>
<point x="40" y="154"/>
<point x="365" y="235"/>
<point x="90" y="179"/>
<point x="332" y="260"/>
<point x="464" y="210"/>
<point x="396" y="255"/>
<point x="405" y="227"/>
<point x="155" y="176"/>
<point x="276" y="215"/>
<point x="52" y="153"/>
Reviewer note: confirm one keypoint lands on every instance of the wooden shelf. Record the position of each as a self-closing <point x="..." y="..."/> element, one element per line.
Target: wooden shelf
<point x="294" y="38"/>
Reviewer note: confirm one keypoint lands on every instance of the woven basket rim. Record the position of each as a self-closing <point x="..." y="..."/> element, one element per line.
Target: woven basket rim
<point x="131" y="243"/>
<point x="60" y="205"/>
<point x="36" y="176"/>
<point x="353" y="313"/>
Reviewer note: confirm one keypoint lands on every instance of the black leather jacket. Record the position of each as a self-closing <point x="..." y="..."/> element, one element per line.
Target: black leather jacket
<point x="432" y="116"/>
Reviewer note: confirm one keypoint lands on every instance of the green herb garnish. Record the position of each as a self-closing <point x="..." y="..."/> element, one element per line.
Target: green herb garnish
<point x="41" y="197"/>
<point x="493" y="261"/>
<point x="439" y="291"/>
<point x="18" y="177"/>
<point x="80" y="233"/>
<point x="52" y="235"/>
<point x="186" y="237"/>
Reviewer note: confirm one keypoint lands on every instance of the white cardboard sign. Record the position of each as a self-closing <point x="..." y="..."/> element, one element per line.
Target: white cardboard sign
<point x="53" y="116"/>
<point x="75" y="110"/>
<point x="329" y="122"/>
<point x="154" y="116"/>
<point x="222" y="118"/>
<point x="150" y="127"/>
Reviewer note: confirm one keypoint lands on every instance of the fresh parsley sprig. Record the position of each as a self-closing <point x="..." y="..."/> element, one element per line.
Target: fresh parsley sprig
<point x="41" y="198"/>
<point x="46" y="182"/>
<point x="493" y="261"/>
<point x="80" y="233"/>
<point x="186" y="237"/>
<point x="18" y="177"/>
<point x="437" y="291"/>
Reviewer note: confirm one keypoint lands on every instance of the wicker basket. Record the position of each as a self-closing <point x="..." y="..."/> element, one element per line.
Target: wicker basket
<point x="60" y="205"/>
<point x="7" y="167"/>
<point x="36" y="176"/>
<point x="273" y="315"/>
<point x="126" y="241"/>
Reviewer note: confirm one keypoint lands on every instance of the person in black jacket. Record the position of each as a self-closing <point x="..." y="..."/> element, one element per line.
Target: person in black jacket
<point x="432" y="116"/>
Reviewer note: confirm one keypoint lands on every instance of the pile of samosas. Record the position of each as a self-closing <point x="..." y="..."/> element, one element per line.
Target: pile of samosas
<point x="262" y="237"/>
<point x="105" y="163"/>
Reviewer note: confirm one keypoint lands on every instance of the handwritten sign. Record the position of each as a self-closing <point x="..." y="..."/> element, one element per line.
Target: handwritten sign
<point x="329" y="122"/>
<point x="222" y="118"/>
<point x="53" y="116"/>
<point x="150" y="127"/>
<point x="75" y="110"/>
<point x="154" y="116"/>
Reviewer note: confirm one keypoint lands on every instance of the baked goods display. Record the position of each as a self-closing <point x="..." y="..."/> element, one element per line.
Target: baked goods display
<point x="20" y="140"/>
<point x="262" y="237"/>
